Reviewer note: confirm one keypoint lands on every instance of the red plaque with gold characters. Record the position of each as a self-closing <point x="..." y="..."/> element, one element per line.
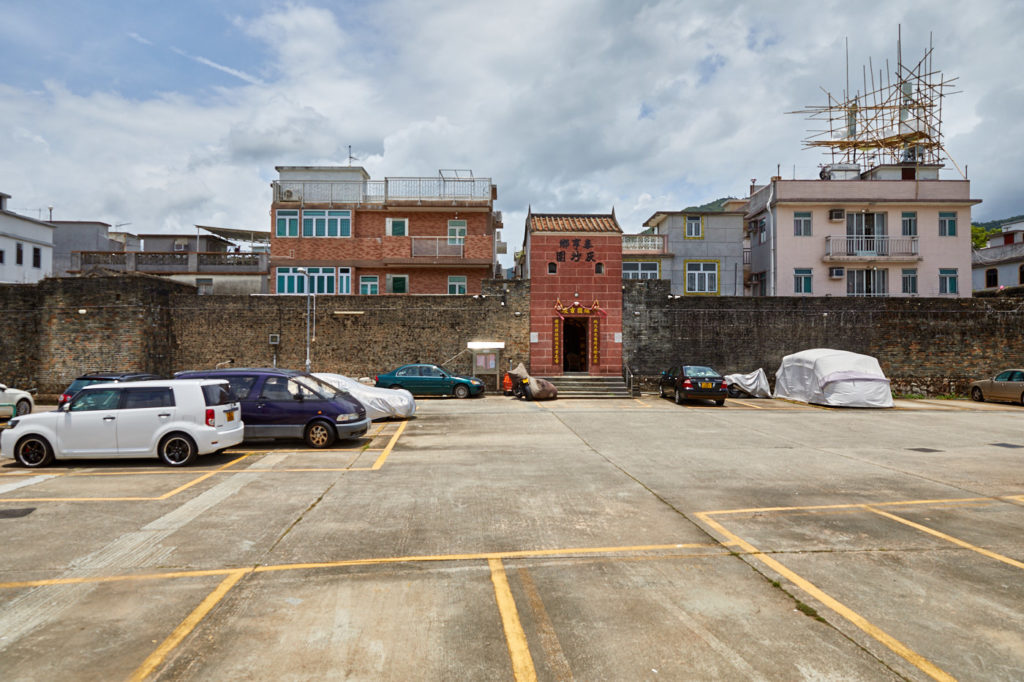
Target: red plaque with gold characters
<point x="556" y="340"/>
<point x="595" y="340"/>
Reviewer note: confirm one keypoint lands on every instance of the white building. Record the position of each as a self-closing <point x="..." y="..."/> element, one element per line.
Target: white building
<point x="1001" y="262"/>
<point x="26" y="247"/>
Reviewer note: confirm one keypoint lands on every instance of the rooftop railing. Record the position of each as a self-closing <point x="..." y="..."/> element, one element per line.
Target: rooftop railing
<point x="650" y="243"/>
<point x="476" y="190"/>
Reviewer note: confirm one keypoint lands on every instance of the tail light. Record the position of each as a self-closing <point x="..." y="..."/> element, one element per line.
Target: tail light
<point x="375" y="379"/>
<point x="687" y="383"/>
<point x="210" y="418"/>
<point x="64" y="397"/>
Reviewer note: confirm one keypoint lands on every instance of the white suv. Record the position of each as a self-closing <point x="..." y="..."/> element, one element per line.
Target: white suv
<point x="172" y="419"/>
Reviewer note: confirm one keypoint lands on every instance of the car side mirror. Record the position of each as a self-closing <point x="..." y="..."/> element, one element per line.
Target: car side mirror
<point x="64" y="407"/>
<point x="298" y="396"/>
<point x="3" y="387"/>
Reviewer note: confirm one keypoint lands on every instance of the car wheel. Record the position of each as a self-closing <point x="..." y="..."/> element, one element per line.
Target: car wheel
<point x="395" y="386"/>
<point x="720" y="402"/>
<point x="661" y="391"/>
<point x="461" y="391"/>
<point x="678" y="397"/>
<point x="977" y="395"/>
<point x="320" y="434"/>
<point x="177" y="450"/>
<point x="33" y="452"/>
<point x="23" y="407"/>
<point x="734" y="392"/>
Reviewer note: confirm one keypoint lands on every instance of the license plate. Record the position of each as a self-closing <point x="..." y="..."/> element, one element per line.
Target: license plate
<point x="705" y="384"/>
<point x="231" y="416"/>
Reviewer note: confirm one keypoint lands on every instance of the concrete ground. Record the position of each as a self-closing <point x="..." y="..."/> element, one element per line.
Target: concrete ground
<point x="495" y="539"/>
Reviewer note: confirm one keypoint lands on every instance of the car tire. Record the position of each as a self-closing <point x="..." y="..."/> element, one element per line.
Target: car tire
<point x="661" y="391"/>
<point x="461" y="391"/>
<point x="977" y="395"/>
<point x="395" y="386"/>
<point x="319" y="435"/>
<point x="720" y="402"/>
<point x="177" y="450"/>
<point x="33" y="452"/>
<point x="23" y="407"/>
<point x="678" y="397"/>
<point x="735" y="392"/>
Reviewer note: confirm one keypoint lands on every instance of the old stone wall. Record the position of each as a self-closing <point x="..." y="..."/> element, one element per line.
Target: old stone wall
<point x="931" y="346"/>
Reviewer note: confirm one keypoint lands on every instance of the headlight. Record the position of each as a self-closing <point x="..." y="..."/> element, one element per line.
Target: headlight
<point x="11" y="423"/>
<point x="347" y="417"/>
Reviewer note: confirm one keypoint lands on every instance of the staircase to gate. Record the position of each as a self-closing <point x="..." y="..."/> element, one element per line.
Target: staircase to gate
<point x="582" y="385"/>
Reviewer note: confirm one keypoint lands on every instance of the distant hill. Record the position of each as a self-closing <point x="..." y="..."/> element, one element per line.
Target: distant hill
<point x="716" y="206"/>
<point x="994" y="225"/>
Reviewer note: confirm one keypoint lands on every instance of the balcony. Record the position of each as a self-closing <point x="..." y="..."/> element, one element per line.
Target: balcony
<point x="643" y="243"/>
<point x="863" y="248"/>
<point x="171" y="262"/>
<point x="461" y="191"/>
<point x="435" y="247"/>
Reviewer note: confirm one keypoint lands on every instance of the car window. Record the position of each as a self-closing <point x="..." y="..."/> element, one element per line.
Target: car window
<point x="217" y="394"/>
<point x="1017" y="376"/>
<point x="311" y="387"/>
<point x="100" y="399"/>
<point x="700" y="372"/>
<point x="78" y="384"/>
<point x="431" y="371"/>
<point x="241" y="386"/>
<point x="157" y="396"/>
<point x="408" y="372"/>
<point x="276" y="388"/>
<point x="1004" y="376"/>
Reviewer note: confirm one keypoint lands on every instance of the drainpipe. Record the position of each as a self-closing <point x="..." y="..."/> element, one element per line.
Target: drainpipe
<point x="771" y="229"/>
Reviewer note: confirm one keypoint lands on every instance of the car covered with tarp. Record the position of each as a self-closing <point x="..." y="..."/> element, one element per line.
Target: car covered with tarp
<point x="380" y="403"/>
<point x="838" y="378"/>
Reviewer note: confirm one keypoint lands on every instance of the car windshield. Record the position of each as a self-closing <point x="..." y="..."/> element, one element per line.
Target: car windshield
<point x="78" y="384"/>
<point x="700" y="372"/>
<point x="318" y="387"/>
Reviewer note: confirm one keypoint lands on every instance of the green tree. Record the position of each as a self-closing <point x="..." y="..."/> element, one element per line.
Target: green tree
<point x="980" y="235"/>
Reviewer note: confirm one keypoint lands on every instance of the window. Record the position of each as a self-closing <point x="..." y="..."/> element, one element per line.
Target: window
<point x="37" y="257"/>
<point x="19" y="256"/>
<point x="762" y="228"/>
<point x="456" y="231"/>
<point x="100" y="399"/>
<point x="397" y="284"/>
<point x="867" y="282"/>
<point x="204" y="285"/>
<point x="991" y="278"/>
<point x="327" y="223"/>
<point x="910" y="280"/>
<point x="287" y="223"/>
<point x="759" y="284"/>
<point x="693" y="227"/>
<point x="802" y="280"/>
<point x="701" y="278"/>
<point x="640" y="270"/>
<point x="321" y="280"/>
<point x="290" y="281"/>
<point x="599" y="269"/>
<point x="947" y="224"/>
<point x="456" y="284"/>
<point x="552" y="268"/>
<point x="1020" y="270"/>
<point x="1" y="256"/>
<point x="909" y="222"/>
<point x="138" y="398"/>
<point x="369" y="285"/>
<point x="947" y="280"/>
<point x="398" y="227"/>
<point x="344" y="280"/>
<point x="802" y="224"/>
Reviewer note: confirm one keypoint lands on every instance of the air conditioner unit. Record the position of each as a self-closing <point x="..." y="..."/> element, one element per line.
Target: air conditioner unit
<point x="836" y="214"/>
<point x="288" y="195"/>
<point x="836" y="273"/>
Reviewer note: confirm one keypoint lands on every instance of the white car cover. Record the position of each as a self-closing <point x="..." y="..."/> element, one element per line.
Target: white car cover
<point x="833" y="377"/>
<point x="754" y="384"/>
<point x="380" y="403"/>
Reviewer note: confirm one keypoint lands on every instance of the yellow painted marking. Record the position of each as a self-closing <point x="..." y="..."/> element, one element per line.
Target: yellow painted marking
<point x="553" y="654"/>
<point x="361" y="562"/>
<point x="823" y="507"/>
<point x="518" y="648"/>
<point x="744" y="403"/>
<point x="203" y="477"/>
<point x="387" y="450"/>
<point x="186" y="626"/>
<point x="642" y="403"/>
<point x="947" y="538"/>
<point x="898" y="647"/>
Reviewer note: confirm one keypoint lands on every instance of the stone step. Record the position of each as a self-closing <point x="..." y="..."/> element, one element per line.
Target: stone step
<point x="584" y="386"/>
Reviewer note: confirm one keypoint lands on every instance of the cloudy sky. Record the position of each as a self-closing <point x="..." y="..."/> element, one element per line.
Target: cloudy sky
<point x="161" y="115"/>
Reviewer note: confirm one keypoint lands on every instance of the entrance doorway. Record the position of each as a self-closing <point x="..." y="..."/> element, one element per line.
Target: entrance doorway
<point x="574" y="343"/>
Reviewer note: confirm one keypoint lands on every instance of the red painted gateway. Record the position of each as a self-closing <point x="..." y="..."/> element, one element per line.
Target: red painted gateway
<point x="574" y="264"/>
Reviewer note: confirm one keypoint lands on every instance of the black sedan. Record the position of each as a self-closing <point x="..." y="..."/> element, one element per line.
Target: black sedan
<point x="699" y="382"/>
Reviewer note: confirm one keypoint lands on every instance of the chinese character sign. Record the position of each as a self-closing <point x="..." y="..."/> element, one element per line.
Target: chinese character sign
<point x="556" y="341"/>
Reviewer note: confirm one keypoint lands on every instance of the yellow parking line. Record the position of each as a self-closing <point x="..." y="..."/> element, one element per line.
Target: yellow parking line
<point x="202" y="478"/>
<point x="515" y="638"/>
<point x="744" y="403"/>
<point x="825" y="507"/>
<point x="947" y="538"/>
<point x="898" y="647"/>
<point x="186" y="626"/>
<point x="387" y="450"/>
<point x="642" y="403"/>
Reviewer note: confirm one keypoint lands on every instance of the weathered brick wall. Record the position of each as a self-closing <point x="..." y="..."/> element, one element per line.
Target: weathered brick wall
<point x="932" y="346"/>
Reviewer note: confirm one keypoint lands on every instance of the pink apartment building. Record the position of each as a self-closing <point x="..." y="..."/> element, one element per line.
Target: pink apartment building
<point x="892" y="230"/>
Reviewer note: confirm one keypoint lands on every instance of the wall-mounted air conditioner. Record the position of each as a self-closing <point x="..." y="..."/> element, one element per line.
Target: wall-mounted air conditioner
<point x="836" y="273"/>
<point x="836" y="214"/>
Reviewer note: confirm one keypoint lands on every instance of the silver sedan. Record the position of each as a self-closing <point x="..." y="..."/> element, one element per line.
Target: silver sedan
<point x="1007" y="386"/>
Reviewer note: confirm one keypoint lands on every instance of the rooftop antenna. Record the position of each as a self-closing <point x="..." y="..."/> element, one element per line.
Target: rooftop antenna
<point x="350" y="157"/>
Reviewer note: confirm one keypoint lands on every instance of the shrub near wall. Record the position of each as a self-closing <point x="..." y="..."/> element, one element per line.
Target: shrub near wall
<point x="931" y="346"/>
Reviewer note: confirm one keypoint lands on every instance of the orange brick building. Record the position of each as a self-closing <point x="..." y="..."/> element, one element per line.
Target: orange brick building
<point x="574" y="264"/>
<point x="343" y="233"/>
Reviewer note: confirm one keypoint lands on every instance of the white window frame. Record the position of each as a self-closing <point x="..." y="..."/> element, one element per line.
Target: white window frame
<point x="908" y="222"/>
<point x="863" y="280"/>
<point x="344" y="280"/>
<point x="701" y="277"/>
<point x="694" y="227"/>
<point x="456" y="232"/>
<point x="947" y="223"/>
<point x="762" y="231"/>
<point x="909" y="280"/>
<point x="322" y="280"/>
<point x="641" y="269"/>
<point x="802" y="223"/>
<point x="948" y="281"/>
<point x="803" y="279"/>
<point x="389" y="283"/>
<point x="320" y="223"/>
<point x="369" y="285"/>
<point x="286" y="275"/>
<point x="286" y="223"/>
<point x="391" y="229"/>
<point x="456" y="285"/>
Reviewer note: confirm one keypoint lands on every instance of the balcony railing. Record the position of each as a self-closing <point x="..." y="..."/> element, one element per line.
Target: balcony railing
<point x="475" y="190"/>
<point x="871" y="247"/>
<point x="433" y="247"/>
<point x="169" y="262"/>
<point x="648" y="243"/>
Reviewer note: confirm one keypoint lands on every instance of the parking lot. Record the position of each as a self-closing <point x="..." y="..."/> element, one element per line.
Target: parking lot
<point x="575" y="539"/>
